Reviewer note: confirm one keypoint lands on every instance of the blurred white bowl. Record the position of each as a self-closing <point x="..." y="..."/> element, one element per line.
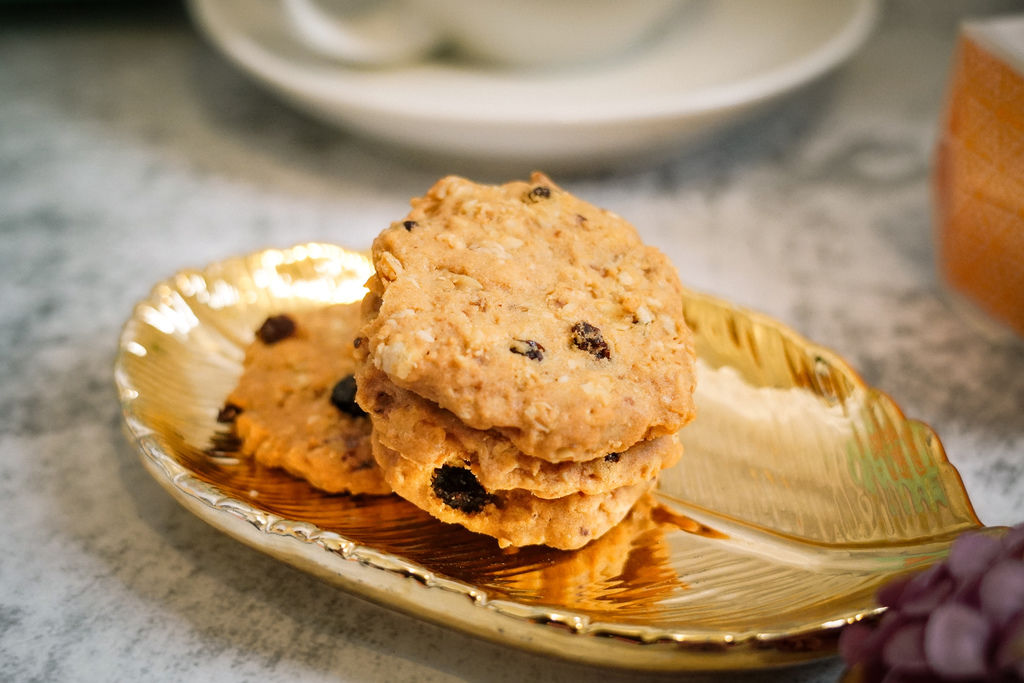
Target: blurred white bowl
<point x="719" y="61"/>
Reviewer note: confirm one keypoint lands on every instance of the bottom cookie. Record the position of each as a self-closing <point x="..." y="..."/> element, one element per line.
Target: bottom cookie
<point x="516" y="517"/>
<point x="289" y="410"/>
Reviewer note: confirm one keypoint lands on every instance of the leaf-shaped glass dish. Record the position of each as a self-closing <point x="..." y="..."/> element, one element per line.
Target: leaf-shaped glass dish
<point x="800" y="491"/>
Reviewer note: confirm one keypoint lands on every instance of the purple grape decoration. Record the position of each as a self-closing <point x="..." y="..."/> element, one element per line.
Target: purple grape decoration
<point x="959" y="620"/>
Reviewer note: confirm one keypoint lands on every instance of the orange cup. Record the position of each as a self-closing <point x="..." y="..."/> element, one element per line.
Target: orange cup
<point x="979" y="171"/>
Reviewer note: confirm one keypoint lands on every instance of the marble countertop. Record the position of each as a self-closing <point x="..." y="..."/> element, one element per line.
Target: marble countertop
<point x="130" y="149"/>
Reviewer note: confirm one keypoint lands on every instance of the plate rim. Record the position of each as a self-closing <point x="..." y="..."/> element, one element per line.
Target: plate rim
<point x="557" y="632"/>
<point x="322" y="87"/>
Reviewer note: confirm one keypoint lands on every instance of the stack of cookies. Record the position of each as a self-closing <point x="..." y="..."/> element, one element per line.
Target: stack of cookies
<point x="524" y="362"/>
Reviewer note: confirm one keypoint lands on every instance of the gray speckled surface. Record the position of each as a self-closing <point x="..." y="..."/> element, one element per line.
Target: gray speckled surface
<point x="129" y="149"/>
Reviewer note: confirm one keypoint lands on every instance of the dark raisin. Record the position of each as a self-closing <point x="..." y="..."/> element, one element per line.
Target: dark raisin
<point x="528" y="348"/>
<point x="459" y="489"/>
<point x="588" y="338"/>
<point x="343" y="396"/>
<point x="228" y="413"/>
<point x="538" y="193"/>
<point x="275" y="328"/>
<point x="357" y="342"/>
<point x="409" y="225"/>
<point x="612" y="457"/>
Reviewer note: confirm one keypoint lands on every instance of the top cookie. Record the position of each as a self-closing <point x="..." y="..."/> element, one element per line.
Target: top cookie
<point x="522" y="308"/>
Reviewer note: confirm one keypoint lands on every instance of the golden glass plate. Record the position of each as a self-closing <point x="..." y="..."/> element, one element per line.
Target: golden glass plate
<point x="800" y="491"/>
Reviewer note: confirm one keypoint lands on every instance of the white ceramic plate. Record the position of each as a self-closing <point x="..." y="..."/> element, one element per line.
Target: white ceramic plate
<point x="719" y="60"/>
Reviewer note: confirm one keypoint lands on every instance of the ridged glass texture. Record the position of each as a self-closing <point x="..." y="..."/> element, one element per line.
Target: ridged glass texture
<point x="800" y="491"/>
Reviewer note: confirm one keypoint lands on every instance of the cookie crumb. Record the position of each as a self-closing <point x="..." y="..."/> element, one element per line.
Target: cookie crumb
<point x="528" y="348"/>
<point x="458" y="488"/>
<point x="343" y="396"/>
<point x="588" y="338"/>
<point x="643" y="316"/>
<point x="275" y="328"/>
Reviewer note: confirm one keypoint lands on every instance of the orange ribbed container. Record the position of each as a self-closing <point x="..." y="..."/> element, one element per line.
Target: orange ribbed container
<point x="979" y="170"/>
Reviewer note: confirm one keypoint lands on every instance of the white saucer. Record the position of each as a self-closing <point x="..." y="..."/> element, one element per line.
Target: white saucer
<point x="720" y="60"/>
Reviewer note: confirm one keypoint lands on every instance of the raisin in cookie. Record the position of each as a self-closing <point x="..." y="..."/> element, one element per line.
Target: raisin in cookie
<point x="524" y="309"/>
<point x="451" y="493"/>
<point x="294" y="406"/>
<point x="425" y="433"/>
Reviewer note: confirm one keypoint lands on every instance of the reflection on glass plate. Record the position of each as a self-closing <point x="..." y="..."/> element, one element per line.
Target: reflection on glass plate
<point x="801" y="490"/>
